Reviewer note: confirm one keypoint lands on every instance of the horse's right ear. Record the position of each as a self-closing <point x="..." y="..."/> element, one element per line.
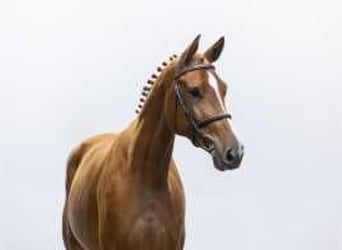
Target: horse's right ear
<point x="187" y="55"/>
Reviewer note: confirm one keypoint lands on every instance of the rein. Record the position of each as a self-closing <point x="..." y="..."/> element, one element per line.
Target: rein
<point x="197" y="125"/>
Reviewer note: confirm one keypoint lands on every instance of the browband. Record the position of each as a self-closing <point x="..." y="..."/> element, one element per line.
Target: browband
<point x="193" y="68"/>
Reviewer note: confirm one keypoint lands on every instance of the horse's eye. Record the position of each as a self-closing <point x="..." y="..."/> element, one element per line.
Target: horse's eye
<point x="195" y="93"/>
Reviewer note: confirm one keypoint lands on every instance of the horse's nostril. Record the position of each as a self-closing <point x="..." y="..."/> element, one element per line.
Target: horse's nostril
<point x="229" y="155"/>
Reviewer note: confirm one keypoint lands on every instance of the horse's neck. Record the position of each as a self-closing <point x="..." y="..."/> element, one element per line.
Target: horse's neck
<point x="152" y="141"/>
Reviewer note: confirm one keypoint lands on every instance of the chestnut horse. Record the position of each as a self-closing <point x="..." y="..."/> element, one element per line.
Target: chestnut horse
<point x="123" y="191"/>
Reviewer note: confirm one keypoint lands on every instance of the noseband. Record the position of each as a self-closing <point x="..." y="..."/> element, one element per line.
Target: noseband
<point x="197" y="125"/>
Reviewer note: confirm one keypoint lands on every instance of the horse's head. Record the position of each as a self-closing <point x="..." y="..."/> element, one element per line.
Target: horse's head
<point x="201" y="113"/>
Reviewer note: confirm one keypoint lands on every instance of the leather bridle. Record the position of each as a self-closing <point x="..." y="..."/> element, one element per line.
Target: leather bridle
<point x="198" y="138"/>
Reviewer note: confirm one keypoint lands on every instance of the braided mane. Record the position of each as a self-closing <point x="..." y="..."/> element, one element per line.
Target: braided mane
<point x="150" y="83"/>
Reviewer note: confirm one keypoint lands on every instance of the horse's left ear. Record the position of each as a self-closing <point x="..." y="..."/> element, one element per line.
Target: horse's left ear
<point x="214" y="52"/>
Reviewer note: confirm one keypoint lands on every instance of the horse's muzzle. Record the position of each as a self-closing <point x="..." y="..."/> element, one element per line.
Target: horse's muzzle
<point x="230" y="159"/>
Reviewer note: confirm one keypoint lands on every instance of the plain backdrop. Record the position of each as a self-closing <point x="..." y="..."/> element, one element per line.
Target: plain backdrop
<point x="70" y="69"/>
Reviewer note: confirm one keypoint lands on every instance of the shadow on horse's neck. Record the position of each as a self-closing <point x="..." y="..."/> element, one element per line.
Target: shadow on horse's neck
<point x="152" y="138"/>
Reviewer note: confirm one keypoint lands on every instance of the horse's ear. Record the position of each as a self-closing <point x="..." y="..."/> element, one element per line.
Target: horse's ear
<point x="187" y="55"/>
<point x="213" y="53"/>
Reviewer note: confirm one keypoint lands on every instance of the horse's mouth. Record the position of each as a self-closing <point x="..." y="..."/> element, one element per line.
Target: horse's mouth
<point x="221" y="161"/>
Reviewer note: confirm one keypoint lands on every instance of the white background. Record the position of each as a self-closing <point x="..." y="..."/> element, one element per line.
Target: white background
<point x="70" y="69"/>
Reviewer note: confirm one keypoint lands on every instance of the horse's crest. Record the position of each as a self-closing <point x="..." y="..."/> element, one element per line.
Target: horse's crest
<point x="150" y="82"/>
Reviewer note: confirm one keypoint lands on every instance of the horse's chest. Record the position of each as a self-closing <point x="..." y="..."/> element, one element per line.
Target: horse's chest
<point x="150" y="221"/>
<point x="145" y="219"/>
<point x="152" y="214"/>
<point x="152" y="228"/>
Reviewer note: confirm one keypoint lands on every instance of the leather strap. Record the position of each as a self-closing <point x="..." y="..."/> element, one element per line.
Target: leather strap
<point x="196" y="125"/>
<point x="193" y="68"/>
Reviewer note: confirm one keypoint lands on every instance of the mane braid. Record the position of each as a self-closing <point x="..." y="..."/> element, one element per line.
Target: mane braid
<point x="150" y="83"/>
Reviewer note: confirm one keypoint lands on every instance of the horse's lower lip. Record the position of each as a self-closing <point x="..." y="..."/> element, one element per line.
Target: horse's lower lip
<point x="227" y="167"/>
<point x="231" y="167"/>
